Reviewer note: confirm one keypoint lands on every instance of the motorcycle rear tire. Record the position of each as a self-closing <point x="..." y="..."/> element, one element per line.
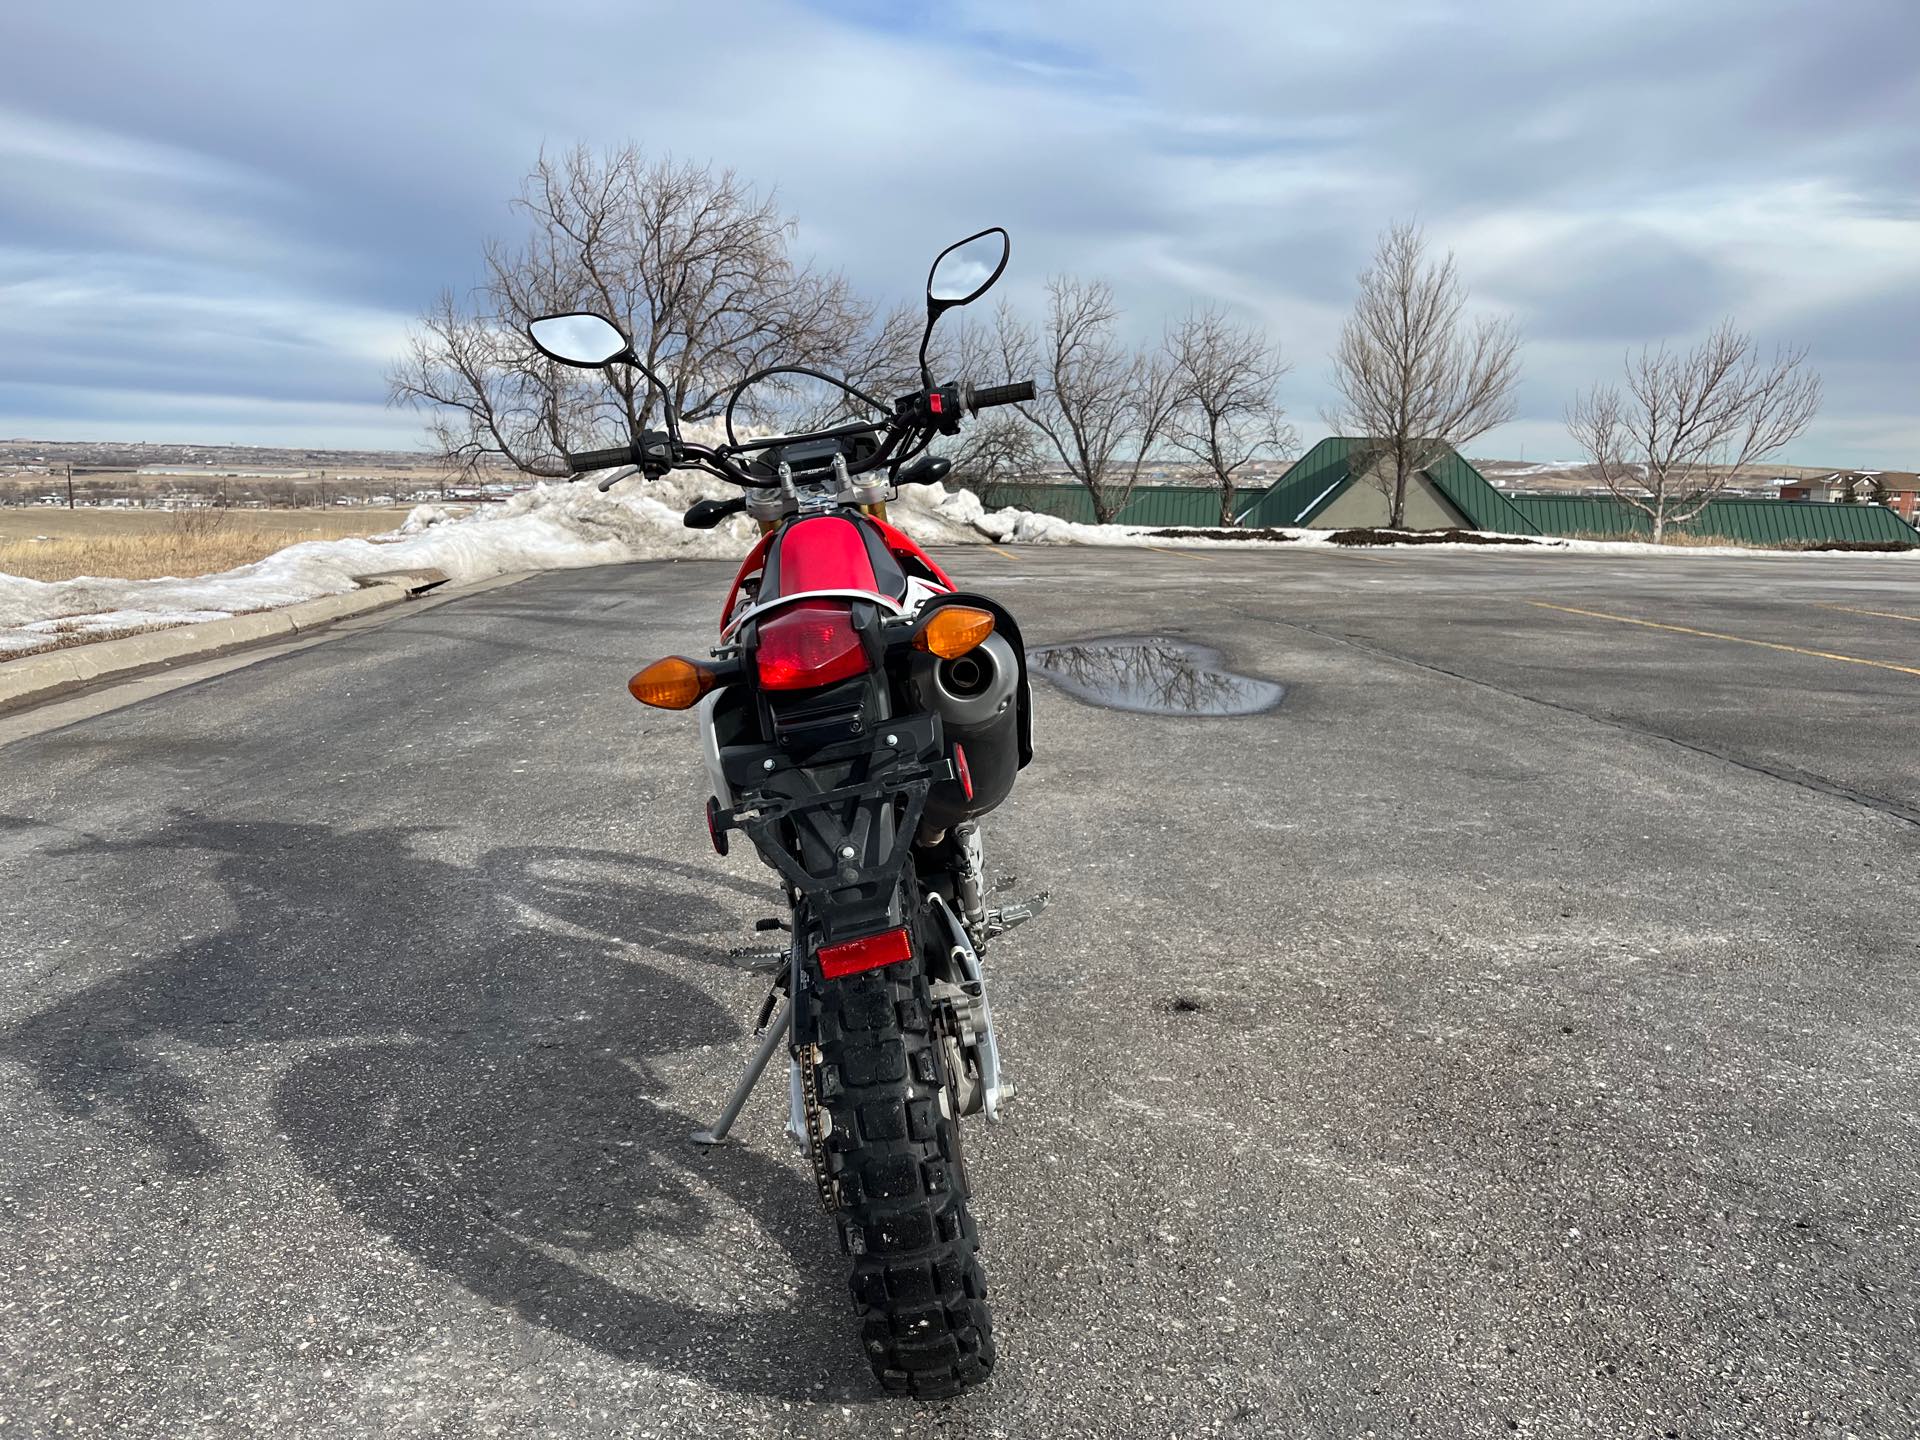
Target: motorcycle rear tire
<point x="894" y="1151"/>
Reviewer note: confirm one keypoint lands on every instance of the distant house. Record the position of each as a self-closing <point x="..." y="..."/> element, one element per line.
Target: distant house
<point x="1796" y="488"/>
<point x="1898" y="490"/>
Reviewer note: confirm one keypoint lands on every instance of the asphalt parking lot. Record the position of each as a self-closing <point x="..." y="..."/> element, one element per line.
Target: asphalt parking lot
<point x="1513" y="1032"/>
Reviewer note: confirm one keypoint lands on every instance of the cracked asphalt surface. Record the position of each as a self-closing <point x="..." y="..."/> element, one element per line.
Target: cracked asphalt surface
<point x="1513" y="1032"/>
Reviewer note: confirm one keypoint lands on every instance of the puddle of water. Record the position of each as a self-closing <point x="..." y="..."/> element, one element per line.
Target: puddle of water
<point x="1153" y="676"/>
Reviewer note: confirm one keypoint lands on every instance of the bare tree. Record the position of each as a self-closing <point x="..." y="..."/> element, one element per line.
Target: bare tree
<point x="1414" y="379"/>
<point x="1098" y="401"/>
<point x="1688" y="424"/>
<point x="1227" y="415"/>
<point x="689" y="260"/>
<point x="884" y="361"/>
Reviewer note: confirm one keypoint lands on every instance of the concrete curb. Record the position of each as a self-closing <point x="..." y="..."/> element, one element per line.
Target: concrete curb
<point x="41" y="677"/>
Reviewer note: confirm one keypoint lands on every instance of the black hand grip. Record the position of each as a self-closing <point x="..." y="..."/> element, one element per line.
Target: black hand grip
<point x="584" y="460"/>
<point x="1017" y="393"/>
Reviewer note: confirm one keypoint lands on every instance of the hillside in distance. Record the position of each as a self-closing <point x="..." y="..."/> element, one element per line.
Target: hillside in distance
<point x="29" y="468"/>
<point x="29" y="456"/>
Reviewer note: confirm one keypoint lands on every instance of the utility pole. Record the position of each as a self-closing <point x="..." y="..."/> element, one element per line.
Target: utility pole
<point x="69" y="484"/>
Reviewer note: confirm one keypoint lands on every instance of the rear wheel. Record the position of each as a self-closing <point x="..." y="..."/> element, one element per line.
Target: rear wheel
<point x="894" y="1154"/>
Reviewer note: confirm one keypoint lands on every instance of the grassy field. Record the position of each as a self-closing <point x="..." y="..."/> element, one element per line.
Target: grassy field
<point x="48" y="543"/>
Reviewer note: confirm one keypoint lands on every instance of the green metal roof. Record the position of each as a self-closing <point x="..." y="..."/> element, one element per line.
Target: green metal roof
<point x="1485" y="507"/>
<point x="1308" y="483"/>
<point x="1320" y="475"/>
<point x="1759" y="522"/>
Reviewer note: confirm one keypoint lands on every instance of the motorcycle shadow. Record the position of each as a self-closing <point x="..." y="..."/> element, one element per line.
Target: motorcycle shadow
<point x="544" y="1188"/>
<point x="478" y="1082"/>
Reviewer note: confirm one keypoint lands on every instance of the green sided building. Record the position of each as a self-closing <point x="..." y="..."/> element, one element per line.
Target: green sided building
<point x="1340" y="484"/>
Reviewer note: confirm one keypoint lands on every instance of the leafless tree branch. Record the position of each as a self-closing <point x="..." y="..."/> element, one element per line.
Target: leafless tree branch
<point x="1412" y="377"/>
<point x="1226" y="415"/>
<point x="689" y="260"/>
<point x="1099" y="403"/>
<point x="1688" y="424"/>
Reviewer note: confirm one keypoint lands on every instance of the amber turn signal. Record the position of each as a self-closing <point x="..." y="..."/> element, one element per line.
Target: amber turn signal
<point x="954" y="630"/>
<point x="672" y="684"/>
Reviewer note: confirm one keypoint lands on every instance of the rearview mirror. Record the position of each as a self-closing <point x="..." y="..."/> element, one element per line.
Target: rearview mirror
<point x="588" y="341"/>
<point x="966" y="269"/>
<point x="961" y="274"/>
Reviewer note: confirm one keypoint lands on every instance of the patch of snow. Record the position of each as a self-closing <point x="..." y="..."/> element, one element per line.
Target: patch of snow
<point x="1513" y="469"/>
<point x="552" y="526"/>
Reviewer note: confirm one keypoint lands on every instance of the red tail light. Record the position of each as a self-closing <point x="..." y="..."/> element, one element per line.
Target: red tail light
<point x="868" y="953"/>
<point x="811" y="642"/>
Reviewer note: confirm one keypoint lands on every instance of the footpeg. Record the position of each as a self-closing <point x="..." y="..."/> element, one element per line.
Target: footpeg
<point x="1002" y="918"/>
<point x="761" y="962"/>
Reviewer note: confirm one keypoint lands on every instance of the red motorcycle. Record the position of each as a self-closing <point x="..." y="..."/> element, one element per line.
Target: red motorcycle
<point x="859" y="716"/>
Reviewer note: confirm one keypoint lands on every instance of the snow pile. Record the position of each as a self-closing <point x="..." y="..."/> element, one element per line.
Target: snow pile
<point x="549" y="527"/>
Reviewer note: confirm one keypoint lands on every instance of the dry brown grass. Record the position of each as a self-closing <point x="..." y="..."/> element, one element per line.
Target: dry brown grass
<point x="55" y="544"/>
<point x="1687" y="540"/>
<point x="1679" y="539"/>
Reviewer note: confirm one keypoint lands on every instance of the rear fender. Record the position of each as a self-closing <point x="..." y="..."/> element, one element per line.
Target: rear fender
<point x="839" y="827"/>
<point x="761" y="609"/>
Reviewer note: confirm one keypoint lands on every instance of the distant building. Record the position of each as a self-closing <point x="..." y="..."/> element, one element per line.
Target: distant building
<point x="1343" y="483"/>
<point x="1898" y="490"/>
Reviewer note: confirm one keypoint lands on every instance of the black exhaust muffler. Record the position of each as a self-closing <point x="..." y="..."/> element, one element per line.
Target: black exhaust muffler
<point x="976" y="696"/>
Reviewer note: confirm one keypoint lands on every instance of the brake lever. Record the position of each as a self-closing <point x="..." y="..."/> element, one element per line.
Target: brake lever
<point x="626" y="472"/>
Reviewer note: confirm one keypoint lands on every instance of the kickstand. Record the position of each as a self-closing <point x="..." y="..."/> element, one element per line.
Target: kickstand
<point x="770" y="1041"/>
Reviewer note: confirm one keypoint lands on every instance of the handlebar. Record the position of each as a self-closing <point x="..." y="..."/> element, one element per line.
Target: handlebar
<point x="585" y="460"/>
<point x="911" y="418"/>
<point x="1018" y="393"/>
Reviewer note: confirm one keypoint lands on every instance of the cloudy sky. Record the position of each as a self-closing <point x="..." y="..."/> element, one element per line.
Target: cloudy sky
<point x="217" y="216"/>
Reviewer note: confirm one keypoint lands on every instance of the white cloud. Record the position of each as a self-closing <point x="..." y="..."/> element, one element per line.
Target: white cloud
<point x="42" y="140"/>
<point x="281" y="185"/>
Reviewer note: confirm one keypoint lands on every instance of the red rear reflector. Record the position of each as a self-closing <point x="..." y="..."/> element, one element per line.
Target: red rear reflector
<point x="810" y="643"/>
<point x="868" y="953"/>
<point x="965" y="775"/>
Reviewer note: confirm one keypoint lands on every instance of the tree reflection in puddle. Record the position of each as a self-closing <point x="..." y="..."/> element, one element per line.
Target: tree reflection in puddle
<point x="1154" y="676"/>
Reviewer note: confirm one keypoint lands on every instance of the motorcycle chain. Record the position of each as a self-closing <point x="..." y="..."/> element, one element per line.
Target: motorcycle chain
<point x="819" y="1126"/>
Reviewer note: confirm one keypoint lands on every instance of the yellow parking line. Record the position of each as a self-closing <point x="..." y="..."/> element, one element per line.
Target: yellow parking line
<point x="1855" y="610"/>
<point x="1183" y="554"/>
<point x="1721" y="635"/>
<point x="998" y="551"/>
